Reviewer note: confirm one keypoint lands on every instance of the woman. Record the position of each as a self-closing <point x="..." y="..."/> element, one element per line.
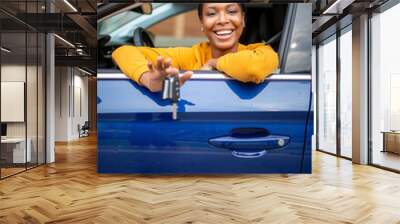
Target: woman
<point x="223" y="24"/>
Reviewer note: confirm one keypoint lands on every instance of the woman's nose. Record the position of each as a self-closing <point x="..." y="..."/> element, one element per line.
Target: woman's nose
<point x="222" y="18"/>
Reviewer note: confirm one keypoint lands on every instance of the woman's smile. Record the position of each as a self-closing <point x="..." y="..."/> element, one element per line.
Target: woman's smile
<point x="224" y="34"/>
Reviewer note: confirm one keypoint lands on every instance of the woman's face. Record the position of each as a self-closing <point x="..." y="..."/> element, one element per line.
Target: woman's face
<point x="223" y="24"/>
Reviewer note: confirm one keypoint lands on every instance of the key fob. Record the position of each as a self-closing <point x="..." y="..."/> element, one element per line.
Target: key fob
<point x="171" y="89"/>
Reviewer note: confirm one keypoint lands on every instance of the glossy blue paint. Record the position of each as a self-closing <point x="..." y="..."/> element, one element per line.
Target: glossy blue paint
<point x="136" y="133"/>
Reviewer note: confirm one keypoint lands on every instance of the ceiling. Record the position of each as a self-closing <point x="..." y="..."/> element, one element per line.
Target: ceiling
<point x="72" y="20"/>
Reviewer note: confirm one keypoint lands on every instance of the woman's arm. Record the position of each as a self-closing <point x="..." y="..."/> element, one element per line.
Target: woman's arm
<point x="147" y="66"/>
<point x="252" y="65"/>
<point x="133" y="60"/>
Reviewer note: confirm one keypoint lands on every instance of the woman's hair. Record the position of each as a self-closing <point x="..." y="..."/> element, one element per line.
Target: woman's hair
<point x="200" y="9"/>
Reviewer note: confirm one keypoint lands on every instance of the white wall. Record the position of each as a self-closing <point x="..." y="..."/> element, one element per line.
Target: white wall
<point x="13" y="101"/>
<point x="71" y="94"/>
<point x="62" y="81"/>
<point x="33" y="126"/>
<point x="12" y="73"/>
<point x="81" y="104"/>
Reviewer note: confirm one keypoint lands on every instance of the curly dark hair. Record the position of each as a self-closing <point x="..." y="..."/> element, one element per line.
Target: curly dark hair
<point x="200" y="9"/>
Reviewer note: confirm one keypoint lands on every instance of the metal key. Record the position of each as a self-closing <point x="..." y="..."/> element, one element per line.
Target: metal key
<point x="171" y="91"/>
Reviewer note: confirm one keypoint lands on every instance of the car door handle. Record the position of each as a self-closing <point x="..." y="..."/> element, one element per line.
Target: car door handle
<point x="250" y="142"/>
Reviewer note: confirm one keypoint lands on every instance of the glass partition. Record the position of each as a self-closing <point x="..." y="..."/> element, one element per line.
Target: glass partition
<point x="385" y="89"/>
<point x="31" y="100"/>
<point x="14" y="145"/>
<point x="346" y="93"/>
<point x="327" y="95"/>
<point x="22" y="88"/>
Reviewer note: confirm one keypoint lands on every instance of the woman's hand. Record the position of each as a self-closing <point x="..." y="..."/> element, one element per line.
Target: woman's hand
<point x="210" y="65"/>
<point x="154" y="78"/>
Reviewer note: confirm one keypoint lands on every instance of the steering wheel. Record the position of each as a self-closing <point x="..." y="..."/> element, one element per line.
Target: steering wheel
<point x="142" y="38"/>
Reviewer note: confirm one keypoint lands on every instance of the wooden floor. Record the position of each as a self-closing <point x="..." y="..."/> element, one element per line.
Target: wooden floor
<point x="5" y="172"/>
<point x="70" y="191"/>
<point x="387" y="159"/>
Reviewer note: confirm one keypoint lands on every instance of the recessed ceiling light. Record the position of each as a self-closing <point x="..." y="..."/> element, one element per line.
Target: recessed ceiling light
<point x="70" y="5"/>
<point x="84" y="71"/>
<point x="5" y="50"/>
<point x="337" y="7"/>
<point x="64" y="40"/>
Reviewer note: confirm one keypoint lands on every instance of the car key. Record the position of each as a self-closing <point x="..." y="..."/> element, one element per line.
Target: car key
<point x="171" y="91"/>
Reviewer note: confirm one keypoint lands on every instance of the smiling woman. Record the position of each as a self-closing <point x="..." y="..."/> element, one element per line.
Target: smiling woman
<point x="223" y="24"/>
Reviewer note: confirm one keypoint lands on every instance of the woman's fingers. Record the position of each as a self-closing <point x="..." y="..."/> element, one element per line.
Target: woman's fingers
<point x="164" y="68"/>
<point x="167" y="63"/>
<point x="150" y="66"/>
<point x="212" y="63"/>
<point x="206" y="67"/>
<point x="187" y="75"/>
<point x="171" y="71"/>
<point x="160" y="62"/>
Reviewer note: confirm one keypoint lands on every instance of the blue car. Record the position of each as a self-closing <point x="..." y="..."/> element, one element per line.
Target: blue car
<point x="223" y="126"/>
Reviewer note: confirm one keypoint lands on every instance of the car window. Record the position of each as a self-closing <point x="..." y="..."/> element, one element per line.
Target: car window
<point x="109" y="25"/>
<point x="113" y="23"/>
<point x="182" y="30"/>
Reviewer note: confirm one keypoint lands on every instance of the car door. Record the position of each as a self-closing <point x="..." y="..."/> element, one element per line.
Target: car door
<point x="223" y="126"/>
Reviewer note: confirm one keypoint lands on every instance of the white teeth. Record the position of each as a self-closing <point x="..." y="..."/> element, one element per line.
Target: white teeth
<point x="224" y="32"/>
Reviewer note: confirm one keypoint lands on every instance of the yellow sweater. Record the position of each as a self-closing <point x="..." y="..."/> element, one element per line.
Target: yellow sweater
<point x="251" y="63"/>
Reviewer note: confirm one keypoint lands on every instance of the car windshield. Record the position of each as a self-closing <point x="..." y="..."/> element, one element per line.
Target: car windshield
<point x="109" y="25"/>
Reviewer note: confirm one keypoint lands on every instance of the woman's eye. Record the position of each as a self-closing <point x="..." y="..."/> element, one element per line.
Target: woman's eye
<point x="210" y="13"/>
<point x="232" y="12"/>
